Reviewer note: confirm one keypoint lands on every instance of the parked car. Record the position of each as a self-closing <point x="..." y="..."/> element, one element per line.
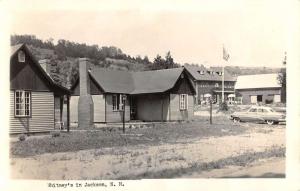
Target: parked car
<point x="259" y="114"/>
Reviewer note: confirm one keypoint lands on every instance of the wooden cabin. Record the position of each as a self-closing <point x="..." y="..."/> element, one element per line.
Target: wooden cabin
<point x="160" y="95"/>
<point x="36" y="101"/>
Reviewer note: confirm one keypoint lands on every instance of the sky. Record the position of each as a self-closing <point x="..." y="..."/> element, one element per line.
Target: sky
<point x="253" y="32"/>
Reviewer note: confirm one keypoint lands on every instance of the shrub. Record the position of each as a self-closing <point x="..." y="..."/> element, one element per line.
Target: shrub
<point x="22" y="137"/>
<point x="55" y="134"/>
<point x="223" y="106"/>
<point x="269" y="101"/>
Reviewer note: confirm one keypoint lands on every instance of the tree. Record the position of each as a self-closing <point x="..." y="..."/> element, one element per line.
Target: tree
<point x="169" y="63"/>
<point x="158" y="63"/>
<point x="282" y="80"/>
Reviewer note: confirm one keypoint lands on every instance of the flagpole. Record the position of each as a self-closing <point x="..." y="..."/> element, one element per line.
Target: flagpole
<point x="223" y="77"/>
<point x="223" y="74"/>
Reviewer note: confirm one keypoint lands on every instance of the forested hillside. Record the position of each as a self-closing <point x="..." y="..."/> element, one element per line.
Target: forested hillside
<point x="63" y="59"/>
<point x="63" y="56"/>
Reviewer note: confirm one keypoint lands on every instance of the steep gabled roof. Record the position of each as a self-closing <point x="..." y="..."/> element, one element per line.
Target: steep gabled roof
<point x="257" y="81"/>
<point x="16" y="48"/>
<point x="200" y="73"/>
<point x="156" y="81"/>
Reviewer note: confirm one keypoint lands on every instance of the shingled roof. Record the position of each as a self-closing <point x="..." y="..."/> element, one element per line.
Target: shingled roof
<point x="156" y="81"/>
<point x="16" y="48"/>
<point x="113" y="81"/>
<point x="200" y="73"/>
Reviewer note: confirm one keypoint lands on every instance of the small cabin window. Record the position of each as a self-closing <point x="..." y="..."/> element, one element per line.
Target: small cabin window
<point x="216" y="85"/>
<point x="22" y="103"/>
<point x="118" y="103"/>
<point x="21" y="56"/>
<point x="183" y="102"/>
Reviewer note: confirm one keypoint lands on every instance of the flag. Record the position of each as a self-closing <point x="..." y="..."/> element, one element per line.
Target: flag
<point x="225" y="54"/>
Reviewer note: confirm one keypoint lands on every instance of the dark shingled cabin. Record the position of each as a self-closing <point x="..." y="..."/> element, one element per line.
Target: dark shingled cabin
<point x="160" y="95"/>
<point x="36" y="101"/>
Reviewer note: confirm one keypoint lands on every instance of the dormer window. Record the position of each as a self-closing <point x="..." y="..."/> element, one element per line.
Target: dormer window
<point x="201" y="72"/>
<point x="21" y="56"/>
<point x="220" y="73"/>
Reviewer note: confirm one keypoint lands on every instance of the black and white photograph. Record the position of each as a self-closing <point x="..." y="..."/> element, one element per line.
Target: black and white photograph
<point x="101" y="95"/>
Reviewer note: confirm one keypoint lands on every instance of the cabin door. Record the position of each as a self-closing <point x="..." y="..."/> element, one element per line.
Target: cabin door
<point x="133" y="108"/>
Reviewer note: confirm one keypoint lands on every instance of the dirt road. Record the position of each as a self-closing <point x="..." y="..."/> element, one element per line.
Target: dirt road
<point x="131" y="161"/>
<point x="267" y="168"/>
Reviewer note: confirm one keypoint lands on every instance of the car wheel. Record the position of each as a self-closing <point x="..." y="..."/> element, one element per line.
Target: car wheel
<point x="270" y="122"/>
<point x="236" y="120"/>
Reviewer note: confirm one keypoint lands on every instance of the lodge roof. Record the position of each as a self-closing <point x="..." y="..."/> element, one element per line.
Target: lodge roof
<point x="57" y="87"/>
<point x="257" y="81"/>
<point x="155" y="81"/>
<point x="200" y="73"/>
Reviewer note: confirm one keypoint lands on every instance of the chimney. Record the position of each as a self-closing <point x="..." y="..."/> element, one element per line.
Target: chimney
<point x="85" y="102"/>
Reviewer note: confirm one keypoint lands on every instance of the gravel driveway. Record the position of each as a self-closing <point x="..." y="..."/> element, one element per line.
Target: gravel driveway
<point x="130" y="161"/>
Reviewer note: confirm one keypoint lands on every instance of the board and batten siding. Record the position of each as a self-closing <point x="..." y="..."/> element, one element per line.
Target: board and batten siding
<point x="267" y="94"/>
<point x="115" y="116"/>
<point x="74" y="109"/>
<point x="99" y="108"/>
<point x="176" y="113"/>
<point x="42" y="114"/>
<point x="153" y="107"/>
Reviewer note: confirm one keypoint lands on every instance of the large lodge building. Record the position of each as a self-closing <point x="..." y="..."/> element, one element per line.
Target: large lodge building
<point x="208" y="84"/>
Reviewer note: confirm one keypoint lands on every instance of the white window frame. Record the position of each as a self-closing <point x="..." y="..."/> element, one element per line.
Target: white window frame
<point x="21" y="56"/>
<point x="119" y="104"/>
<point x="22" y="103"/>
<point x="183" y="101"/>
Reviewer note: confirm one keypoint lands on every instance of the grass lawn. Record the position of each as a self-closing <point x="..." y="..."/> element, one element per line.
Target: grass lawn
<point x="108" y="137"/>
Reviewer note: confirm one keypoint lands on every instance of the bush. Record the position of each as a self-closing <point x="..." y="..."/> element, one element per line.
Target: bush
<point x="55" y="134"/>
<point x="22" y="137"/>
<point x="223" y="106"/>
<point x="269" y="101"/>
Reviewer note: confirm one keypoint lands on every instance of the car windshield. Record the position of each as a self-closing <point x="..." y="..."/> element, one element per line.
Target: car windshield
<point x="261" y="110"/>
